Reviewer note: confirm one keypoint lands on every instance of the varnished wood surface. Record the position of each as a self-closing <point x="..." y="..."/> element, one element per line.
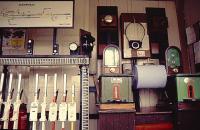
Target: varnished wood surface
<point x="130" y="107"/>
<point x="116" y="121"/>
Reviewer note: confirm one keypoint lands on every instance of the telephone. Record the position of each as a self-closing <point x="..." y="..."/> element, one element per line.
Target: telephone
<point x="87" y="43"/>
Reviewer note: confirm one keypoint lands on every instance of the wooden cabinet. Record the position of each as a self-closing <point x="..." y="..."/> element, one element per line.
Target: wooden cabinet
<point x="183" y="91"/>
<point x="154" y="119"/>
<point x="134" y="30"/>
<point x="157" y="29"/>
<point x="188" y="120"/>
<point x="187" y="116"/>
<point x="116" y="89"/>
<point x="107" y="28"/>
<point x="116" y="120"/>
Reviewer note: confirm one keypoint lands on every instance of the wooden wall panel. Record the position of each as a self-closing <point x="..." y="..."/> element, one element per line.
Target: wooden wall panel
<point x="191" y="11"/>
<point x="85" y="18"/>
<point x="181" y="25"/>
<point x="116" y="121"/>
<point x="148" y="97"/>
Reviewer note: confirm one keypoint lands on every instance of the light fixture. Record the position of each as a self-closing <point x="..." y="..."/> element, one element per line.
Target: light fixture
<point x="55" y="49"/>
<point x="30" y="47"/>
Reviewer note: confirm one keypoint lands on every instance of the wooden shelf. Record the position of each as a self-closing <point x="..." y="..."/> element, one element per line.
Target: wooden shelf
<point x="43" y="60"/>
<point x="118" y="107"/>
<point x="107" y="33"/>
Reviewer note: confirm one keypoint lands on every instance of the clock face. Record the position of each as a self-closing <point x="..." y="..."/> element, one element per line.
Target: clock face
<point x="108" y="19"/>
<point x="73" y="46"/>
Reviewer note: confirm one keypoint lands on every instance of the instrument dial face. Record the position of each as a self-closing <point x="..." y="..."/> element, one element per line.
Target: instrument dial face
<point x="73" y="46"/>
<point x="108" y="19"/>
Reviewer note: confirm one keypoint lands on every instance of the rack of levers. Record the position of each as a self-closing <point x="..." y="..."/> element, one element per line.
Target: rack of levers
<point x="44" y="109"/>
<point x="40" y="92"/>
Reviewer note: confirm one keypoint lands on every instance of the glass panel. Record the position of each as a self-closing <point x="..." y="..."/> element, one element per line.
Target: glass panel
<point x="111" y="57"/>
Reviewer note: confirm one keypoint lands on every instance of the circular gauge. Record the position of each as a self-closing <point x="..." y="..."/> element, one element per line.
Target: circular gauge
<point x="135" y="45"/>
<point x="108" y="19"/>
<point x="73" y="46"/>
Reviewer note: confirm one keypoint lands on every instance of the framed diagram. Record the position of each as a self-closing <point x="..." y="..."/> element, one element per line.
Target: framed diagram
<point x="41" y="13"/>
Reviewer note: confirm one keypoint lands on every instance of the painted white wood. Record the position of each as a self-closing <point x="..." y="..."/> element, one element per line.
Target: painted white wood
<point x="173" y="32"/>
<point x="153" y="97"/>
<point x="92" y="27"/>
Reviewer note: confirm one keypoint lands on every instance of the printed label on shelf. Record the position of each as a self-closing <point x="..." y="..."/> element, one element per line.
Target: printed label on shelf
<point x="43" y="112"/>
<point x="63" y="111"/>
<point x="53" y="111"/>
<point x="141" y="53"/>
<point x="72" y="111"/>
<point x="33" y="111"/>
<point x="116" y="80"/>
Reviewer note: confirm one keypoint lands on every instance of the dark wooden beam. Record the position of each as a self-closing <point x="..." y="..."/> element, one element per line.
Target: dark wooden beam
<point x="181" y="25"/>
<point x="160" y="0"/>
